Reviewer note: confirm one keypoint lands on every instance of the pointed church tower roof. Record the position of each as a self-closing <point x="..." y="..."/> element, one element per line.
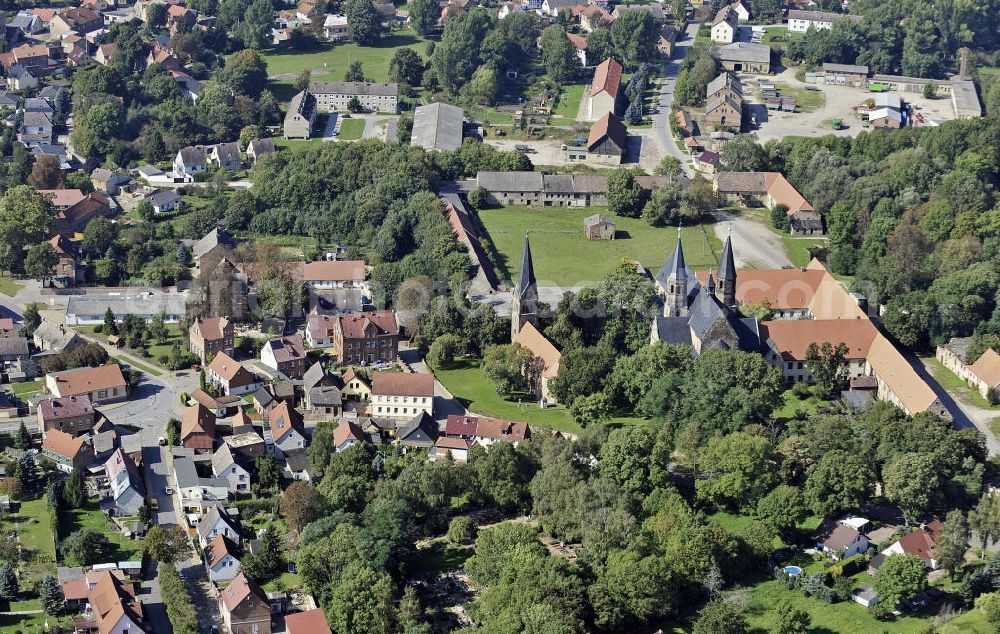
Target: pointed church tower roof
<point x="678" y="270"/>
<point x="727" y="265"/>
<point x="710" y="285"/>
<point x="526" y="277"/>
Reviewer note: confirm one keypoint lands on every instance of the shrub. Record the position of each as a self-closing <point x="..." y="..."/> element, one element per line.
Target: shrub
<point x="801" y="390"/>
<point x="461" y="530"/>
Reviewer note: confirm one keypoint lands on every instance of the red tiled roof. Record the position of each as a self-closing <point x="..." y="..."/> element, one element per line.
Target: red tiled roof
<point x="308" y="622"/>
<point x="354" y="326"/>
<point x="238" y="590"/>
<point x="335" y="271"/>
<point x="283" y="418"/>
<point x="402" y="384"/>
<point x="607" y="77"/>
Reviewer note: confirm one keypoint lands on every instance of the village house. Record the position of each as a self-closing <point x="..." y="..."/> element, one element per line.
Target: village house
<point x="103" y="384"/>
<point x="456" y="448"/>
<point x="245" y="608"/>
<point x="288" y="431"/>
<point x="335" y="27"/>
<point x="309" y="622"/>
<point x="246" y="446"/>
<point x="746" y="57"/>
<point x="328" y="274"/>
<point x="286" y="355"/>
<point x="356" y="386"/>
<point x="216" y="521"/>
<point x="606" y="143"/>
<point x="402" y="395"/>
<point x="211" y="249"/>
<point x="190" y="161"/>
<point x="769" y="189"/>
<point x="347" y="434"/>
<point x="918" y="543"/>
<point x="485" y="431"/>
<point x="725" y="25"/>
<point x="366" y="338"/>
<point x="225" y="156"/>
<point x="66" y="451"/>
<point x="225" y="466"/>
<point x="592" y="17"/>
<point x="113" y="603"/>
<point x="420" y="432"/>
<point x="197" y="429"/>
<point x="983" y="374"/>
<point x="800" y="21"/>
<point x="258" y="148"/>
<point x="164" y="200"/>
<point x="230" y="376"/>
<point x="197" y="493"/>
<point x="127" y="490"/>
<point x="603" y="95"/>
<point x="839" y="539"/>
<point x="267" y="397"/>
<point x="321" y="391"/>
<point x="221" y="559"/>
<point x="73" y="415"/>
<point x="335" y="96"/>
<point x="300" y="117"/>
<point x="209" y="336"/>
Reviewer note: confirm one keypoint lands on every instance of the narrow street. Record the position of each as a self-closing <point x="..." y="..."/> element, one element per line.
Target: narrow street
<point x="661" y="120"/>
<point x="963" y="413"/>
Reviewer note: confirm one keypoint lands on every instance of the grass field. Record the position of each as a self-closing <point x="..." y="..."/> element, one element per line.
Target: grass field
<point x="569" y="101"/>
<point x="28" y="388"/>
<point x="90" y="516"/>
<point x="794" y="404"/>
<point x="805" y="100"/>
<point x="440" y="557"/>
<point x="330" y="62"/>
<point x="286" y="581"/>
<point x="9" y="286"/>
<point x="564" y="257"/>
<point x="35" y="530"/>
<point x="351" y="129"/>
<point x="798" y="248"/>
<point x="468" y="384"/>
<point x="959" y="388"/>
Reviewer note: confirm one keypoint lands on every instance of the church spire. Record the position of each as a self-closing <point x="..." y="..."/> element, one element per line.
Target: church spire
<point x="675" y="300"/>
<point x="679" y="269"/>
<point x="526" y="277"/>
<point x="524" y="303"/>
<point x="727" y="272"/>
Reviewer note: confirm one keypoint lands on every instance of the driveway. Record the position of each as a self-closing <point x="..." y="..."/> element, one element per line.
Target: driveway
<point x="754" y="245"/>
<point x="964" y="414"/>
<point x="661" y="120"/>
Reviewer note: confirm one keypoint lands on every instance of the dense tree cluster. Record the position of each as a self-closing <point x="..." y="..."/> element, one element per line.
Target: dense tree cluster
<point x="913" y="214"/>
<point x="917" y="39"/>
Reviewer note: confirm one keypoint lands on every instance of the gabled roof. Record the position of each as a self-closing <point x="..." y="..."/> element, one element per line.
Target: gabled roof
<point x="987" y="368"/>
<point x="63" y="444"/>
<point x="225" y="366"/>
<point x="438" y="126"/>
<point x="611" y="127"/>
<point x="287" y="349"/>
<point x="283" y="419"/>
<point x="191" y="156"/>
<point x="196" y="419"/>
<point x="792" y="337"/>
<point x="836" y="536"/>
<point x="215" y="237"/>
<point x="238" y="590"/>
<point x="68" y="407"/>
<point x="308" y="622"/>
<point x="354" y="326"/>
<point x="539" y="346"/>
<point x="421" y="424"/>
<point x="345" y="431"/>
<point x="210" y="328"/>
<point x="334" y="271"/>
<point x="218" y="549"/>
<point x="402" y="384"/>
<point x="56" y="335"/>
<point x="87" y="380"/>
<point x="920" y="542"/>
<point x="259" y="147"/>
<point x="607" y="77"/>
<point x="210" y="519"/>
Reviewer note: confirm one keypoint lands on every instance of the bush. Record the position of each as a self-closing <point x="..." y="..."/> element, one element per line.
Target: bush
<point x="444" y="350"/>
<point x="801" y="390"/>
<point x="478" y="198"/>
<point x="779" y="218"/>
<point x="461" y="530"/>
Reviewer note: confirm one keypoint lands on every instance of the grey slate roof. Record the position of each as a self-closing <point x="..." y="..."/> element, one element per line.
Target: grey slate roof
<point x="438" y="126"/>
<point x="354" y="88"/>
<point x="192" y="156"/>
<point x="510" y="181"/>
<point x="421" y="431"/>
<point x="671" y="265"/>
<point x="313" y="376"/>
<point x="745" y="52"/>
<point x="526" y="287"/>
<point x="723" y="80"/>
<point x="56" y="335"/>
<point x="673" y="330"/>
<point x="162" y="197"/>
<point x="213" y="239"/>
<point x="327" y="395"/>
<point x="727" y="265"/>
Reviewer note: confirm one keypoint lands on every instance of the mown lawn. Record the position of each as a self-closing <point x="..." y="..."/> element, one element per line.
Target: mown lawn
<point x="440" y="558"/>
<point x="27" y="388"/>
<point x="174" y="335"/>
<point x="286" y="581"/>
<point x="954" y="384"/>
<point x="467" y="383"/>
<point x="569" y="101"/>
<point x="91" y="517"/>
<point x="805" y="100"/>
<point x="793" y="404"/>
<point x="35" y="530"/>
<point x="562" y="256"/>
<point x="330" y="62"/>
<point x="351" y="129"/>
<point x="9" y="286"/>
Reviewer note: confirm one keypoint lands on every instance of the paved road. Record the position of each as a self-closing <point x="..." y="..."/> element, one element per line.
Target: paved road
<point x="661" y="120"/>
<point x="964" y="414"/>
<point x="754" y="245"/>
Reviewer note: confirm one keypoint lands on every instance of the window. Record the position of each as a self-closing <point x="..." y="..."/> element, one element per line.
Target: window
<point x="102" y="393"/>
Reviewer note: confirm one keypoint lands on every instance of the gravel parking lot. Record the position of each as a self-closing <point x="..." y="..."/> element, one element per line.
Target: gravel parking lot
<point x="839" y="103"/>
